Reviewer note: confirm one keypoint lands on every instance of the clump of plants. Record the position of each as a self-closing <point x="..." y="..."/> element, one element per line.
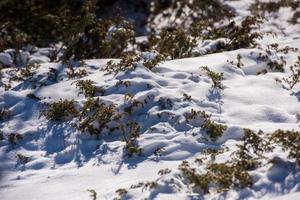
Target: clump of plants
<point x="251" y="150"/>
<point x="175" y="43"/>
<point x="100" y="39"/>
<point x="274" y="65"/>
<point x="215" y="77"/>
<point x="240" y="36"/>
<point x="13" y="138"/>
<point x="97" y="117"/>
<point x="213" y="129"/>
<point x="182" y="13"/>
<point x="272" y="6"/>
<point x="72" y="73"/>
<point x="289" y="141"/>
<point x="60" y="111"/>
<point x="223" y="176"/>
<point x="93" y="194"/>
<point x="131" y="131"/>
<point x="23" y="158"/>
<point x="130" y="62"/>
<point x="294" y="78"/>
<point x="88" y="89"/>
<point x="4" y="114"/>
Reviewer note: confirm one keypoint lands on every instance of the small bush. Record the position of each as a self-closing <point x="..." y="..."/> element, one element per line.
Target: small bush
<point x="213" y="130"/>
<point x="22" y="158"/>
<point x="272" y="6"/>
<point x="96" y="117"/>
<point x="240" y="36"/>
<point x="4" y="114"/>
<point x="289" y="141"/>
<point x="173" y="43"/>
<point x="131" y="131"/>
<point x="100" y="39"/>
<point x="295" y="77"/>
<point x="182" y="13"/>
<point x="215" y="77"/>
<point x="252" y="148"/>
<point x="14" y="137"/>
<point x="130" y="62"/>
<point x="224" y="176"/>
<point x="60" y="111"/>
<point x="87" y="88"/>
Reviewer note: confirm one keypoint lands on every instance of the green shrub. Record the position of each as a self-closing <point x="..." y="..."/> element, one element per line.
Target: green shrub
<point x="289" y="141"/>
<point x="131" y="131"/>
<point x="215" y="77"/>
<point x="240" y="36"/>
<point x="213" y="130"/>
<point x="87" y="88"/>
<point x="60" y="111"/>
<point x="272" y="6"/>
<point x="129" y="62"/>
<point x="100" y="39"/>
<point x="175" y="12"/>
<point x="96" y="117"/>
<point x="295" y="77"/>
<point x="173" y="43"/>
<point x="224" y="176"/>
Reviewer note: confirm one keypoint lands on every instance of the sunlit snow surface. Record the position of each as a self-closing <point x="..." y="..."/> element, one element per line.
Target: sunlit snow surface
<point x="65" y="163"/>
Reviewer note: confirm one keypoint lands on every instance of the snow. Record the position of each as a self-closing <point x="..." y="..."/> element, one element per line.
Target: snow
<point x="65" y="163"/>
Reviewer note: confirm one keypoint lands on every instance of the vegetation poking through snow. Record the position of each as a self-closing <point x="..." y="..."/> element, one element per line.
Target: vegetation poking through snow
<point x="131" y="131"/>
<point x="129" y="62"/>
<point x="96" y="117"/>
<point x="182" y="13"/>
<point x="215" y="77"/>
<point x="101" y="39"/>
<point x="60" y="111"/>
<point x="173" y="43"/>
<point x="240" y="36"/>
<point x="88" y="88"/>
<point x="289" y="141"/>
<point x="213" y="129"/>
<point x="295" y="76"/>
<point x="223" y="176"/>
<point x="93" y="194"/>
<point x="4" y="114"/>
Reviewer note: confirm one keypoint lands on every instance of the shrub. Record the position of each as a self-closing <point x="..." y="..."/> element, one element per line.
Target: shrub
<point x="4" y="114"/>
<point x="131" y="131"/>
<point x="173" y="43"/>
<point x="240" y="36"/>
<point x="22" y="158"/>
<point x="289" y="141"/>
<point x="87" y="88"/>
<point x="252" y="144"/>
<point x="215" y="77"/>
<point x="295" y="77"/>
<point x="14" y="137"/>
<point x="96" y="117"/>
<point x="224" y="176"/>
<point x="130" y="62"/>
<point x="38" y="22"/>
<point x="93" y="194"/>
<point x="60" y="111"/>
<point x="272" y="6"/>
<point x="213" y="130"/>
<point x="100" y="39"/>
<point x="181" y="13"/>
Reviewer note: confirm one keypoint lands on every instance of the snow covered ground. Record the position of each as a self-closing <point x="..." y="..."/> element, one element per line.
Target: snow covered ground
<point x="65" y="163"/>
